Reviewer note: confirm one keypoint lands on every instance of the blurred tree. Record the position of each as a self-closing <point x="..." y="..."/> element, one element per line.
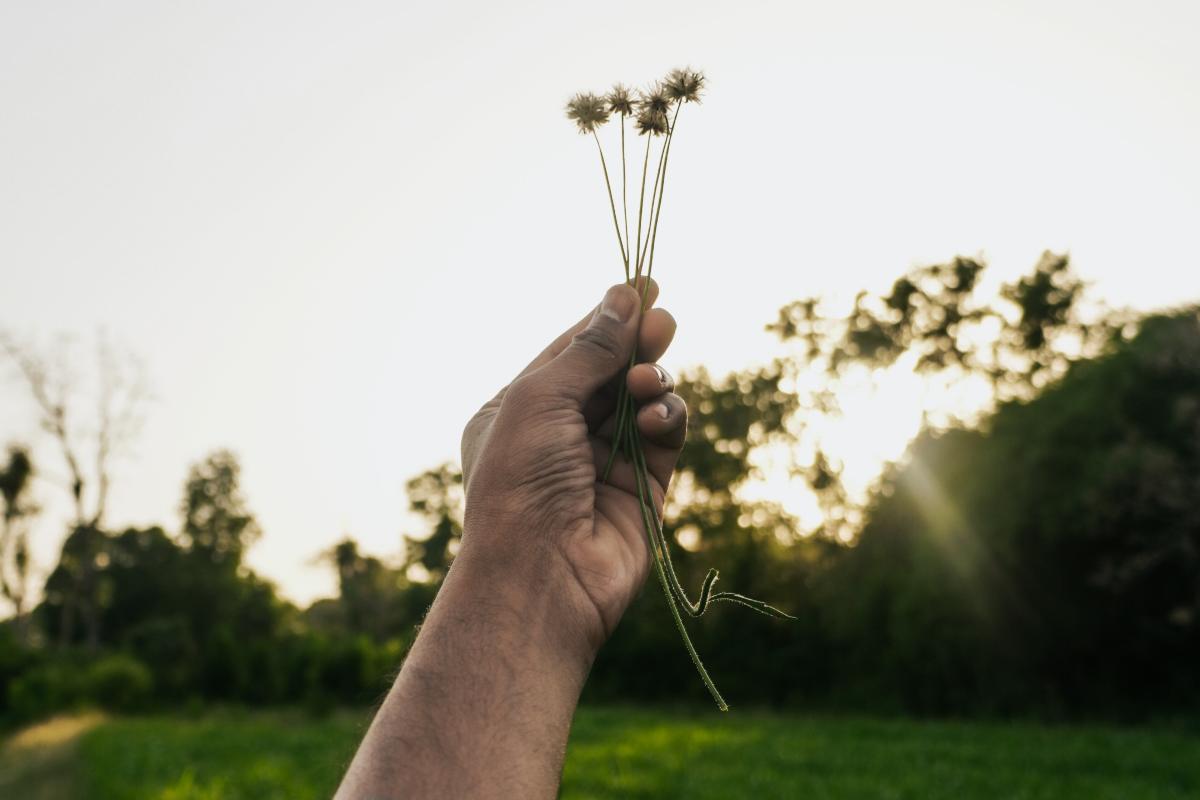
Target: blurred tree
<point x="436" y="496"/>
<point x="14" y="535"/>
<point x="217" y="527"/>
<point x="1051" y="556"/>
<point x="231" y="611"/>
<point x="120" y="393"/>
<point x="1024" y="338"/>
<point x="373" y="598"/>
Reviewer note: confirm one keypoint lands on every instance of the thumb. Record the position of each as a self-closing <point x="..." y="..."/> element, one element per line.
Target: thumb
<point x="598" y="352"/>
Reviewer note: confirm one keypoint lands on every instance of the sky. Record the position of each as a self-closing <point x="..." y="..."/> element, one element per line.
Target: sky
<point x="330" y="231"/>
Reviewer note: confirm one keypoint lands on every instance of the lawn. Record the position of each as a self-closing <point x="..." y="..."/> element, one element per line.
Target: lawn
<point x="620" y="753"/>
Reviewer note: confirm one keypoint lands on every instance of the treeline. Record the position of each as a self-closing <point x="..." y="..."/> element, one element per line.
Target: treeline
<point x="178" y="619"/>
<point x="1040" y="555"/>
<point x="1044" y="561"/>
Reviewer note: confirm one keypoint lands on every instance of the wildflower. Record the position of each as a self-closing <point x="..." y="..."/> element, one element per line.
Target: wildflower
<point x="650" y="112"/>
<point x="655" y="100"/>
<point x="684" y="85"/>
<point x="651" y="122"/>
<point x="587" y="111"/>
<point x="620" y="100"/>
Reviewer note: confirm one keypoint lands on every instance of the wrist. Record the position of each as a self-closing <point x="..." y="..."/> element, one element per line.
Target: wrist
<point x="529" y="594"/>
<point x="493" y="678"/>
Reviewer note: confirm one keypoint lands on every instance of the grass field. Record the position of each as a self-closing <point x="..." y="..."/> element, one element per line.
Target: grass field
<point x="618" y="753"/>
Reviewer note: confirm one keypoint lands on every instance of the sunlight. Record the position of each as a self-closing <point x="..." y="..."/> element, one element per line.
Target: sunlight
<point x="881" y="412"/>
<point x="56" y="731"/>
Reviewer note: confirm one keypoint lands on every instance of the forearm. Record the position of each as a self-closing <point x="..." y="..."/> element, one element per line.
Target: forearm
<point x="484" y="702"/>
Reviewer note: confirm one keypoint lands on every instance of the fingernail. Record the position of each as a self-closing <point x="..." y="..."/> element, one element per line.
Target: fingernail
<point x="619" y="304"/>
<point x="663" y="410"/>
<point x="663" y="378"/>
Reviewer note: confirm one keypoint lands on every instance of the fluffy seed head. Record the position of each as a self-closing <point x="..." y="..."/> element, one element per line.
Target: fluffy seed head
<point x="651" y="122"/>
<point x="654" y="100"/>
<point x="587" y="111"/>
<point x="620" y="100"/>
<point x="684" y="85"/>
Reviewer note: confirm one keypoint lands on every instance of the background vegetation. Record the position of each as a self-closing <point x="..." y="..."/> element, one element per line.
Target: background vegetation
<point x="1039" y="557"/>
<point x="625" y="753"/>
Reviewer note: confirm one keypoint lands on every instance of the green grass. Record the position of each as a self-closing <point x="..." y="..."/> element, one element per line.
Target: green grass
<point x="634" y="754"/>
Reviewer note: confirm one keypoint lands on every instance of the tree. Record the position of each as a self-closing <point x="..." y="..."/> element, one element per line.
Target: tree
<point x="14" y="535"/>
<point x="1050" y="556"/>
<point x="119" y="395"/>
<point x="370" y="593"/>
<point x="217" y="526"/>
<point x="1024" y="338"/>
<point x="436" y="496"/>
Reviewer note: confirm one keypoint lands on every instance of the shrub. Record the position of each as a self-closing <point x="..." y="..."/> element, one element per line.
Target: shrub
<point x="45" y="690"/>
<point x="119" y="683"/>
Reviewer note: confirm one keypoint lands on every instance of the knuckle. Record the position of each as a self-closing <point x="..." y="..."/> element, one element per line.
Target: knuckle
<point x="528" y="396"/>
<point x="520" y="393"/>
<point x="601" y="340"/>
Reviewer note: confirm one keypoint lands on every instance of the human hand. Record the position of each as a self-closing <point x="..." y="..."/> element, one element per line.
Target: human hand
<point x="537" y="514"/>
<point x="550" y="559"/>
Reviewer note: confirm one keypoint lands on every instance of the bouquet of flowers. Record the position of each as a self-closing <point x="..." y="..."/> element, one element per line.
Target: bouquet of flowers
<point x="655" y="115"/>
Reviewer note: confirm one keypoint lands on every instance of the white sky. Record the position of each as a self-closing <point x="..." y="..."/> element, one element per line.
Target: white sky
<point x="333" y="229"/>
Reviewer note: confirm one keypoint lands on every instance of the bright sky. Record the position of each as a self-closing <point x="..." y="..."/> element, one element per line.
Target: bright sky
<point x="332" y="230"/>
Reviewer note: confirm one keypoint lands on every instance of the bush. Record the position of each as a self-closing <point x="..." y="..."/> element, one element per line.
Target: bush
<point x="45" y="690"/>
<point x="119" y="683"/>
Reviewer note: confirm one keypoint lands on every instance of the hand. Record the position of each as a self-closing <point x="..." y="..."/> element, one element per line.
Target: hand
<point x="550" y="559"/>
<point x="533" y="455"/>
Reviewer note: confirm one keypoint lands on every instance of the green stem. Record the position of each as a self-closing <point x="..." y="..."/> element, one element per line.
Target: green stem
<point x="624" y="196"/>
<point x="641" y="199"/>
<point x="647" y="515"/>
<point x="658" y="213"/>
<point x="658" y="171"/>
<point x="624" y="402"/>
<point x="661" y="545"/>
<point x="612" y="205"/>
<point x="698" y="608"/>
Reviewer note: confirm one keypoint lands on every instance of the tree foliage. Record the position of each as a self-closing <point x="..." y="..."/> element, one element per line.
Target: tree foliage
<point x="1039" y="556"/>
<point x="15" y="513"/>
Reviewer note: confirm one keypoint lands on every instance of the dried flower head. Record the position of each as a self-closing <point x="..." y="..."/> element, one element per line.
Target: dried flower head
<point x="587" y="111"/>
<point x="651" y="122"/>
<point x="654" y="100"/>
<point x="620" y="100"/>
<point x="684" y="85"/>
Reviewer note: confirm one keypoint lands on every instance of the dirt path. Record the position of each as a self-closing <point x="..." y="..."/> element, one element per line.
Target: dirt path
<point x="38" y="763"/>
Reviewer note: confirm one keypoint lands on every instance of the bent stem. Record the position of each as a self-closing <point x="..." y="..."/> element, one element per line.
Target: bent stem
<point x="649" y="514"/>
<point x="697" y="609"/>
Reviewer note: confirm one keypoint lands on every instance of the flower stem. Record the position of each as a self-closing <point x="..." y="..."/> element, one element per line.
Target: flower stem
<point x="649" y="514"/>
<point x="658" y="212"/>
<point x="624" y="196"/>
<point x="612" y="205"/>
<point x="658" y="171"/>
<point x="641" y="201"/>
